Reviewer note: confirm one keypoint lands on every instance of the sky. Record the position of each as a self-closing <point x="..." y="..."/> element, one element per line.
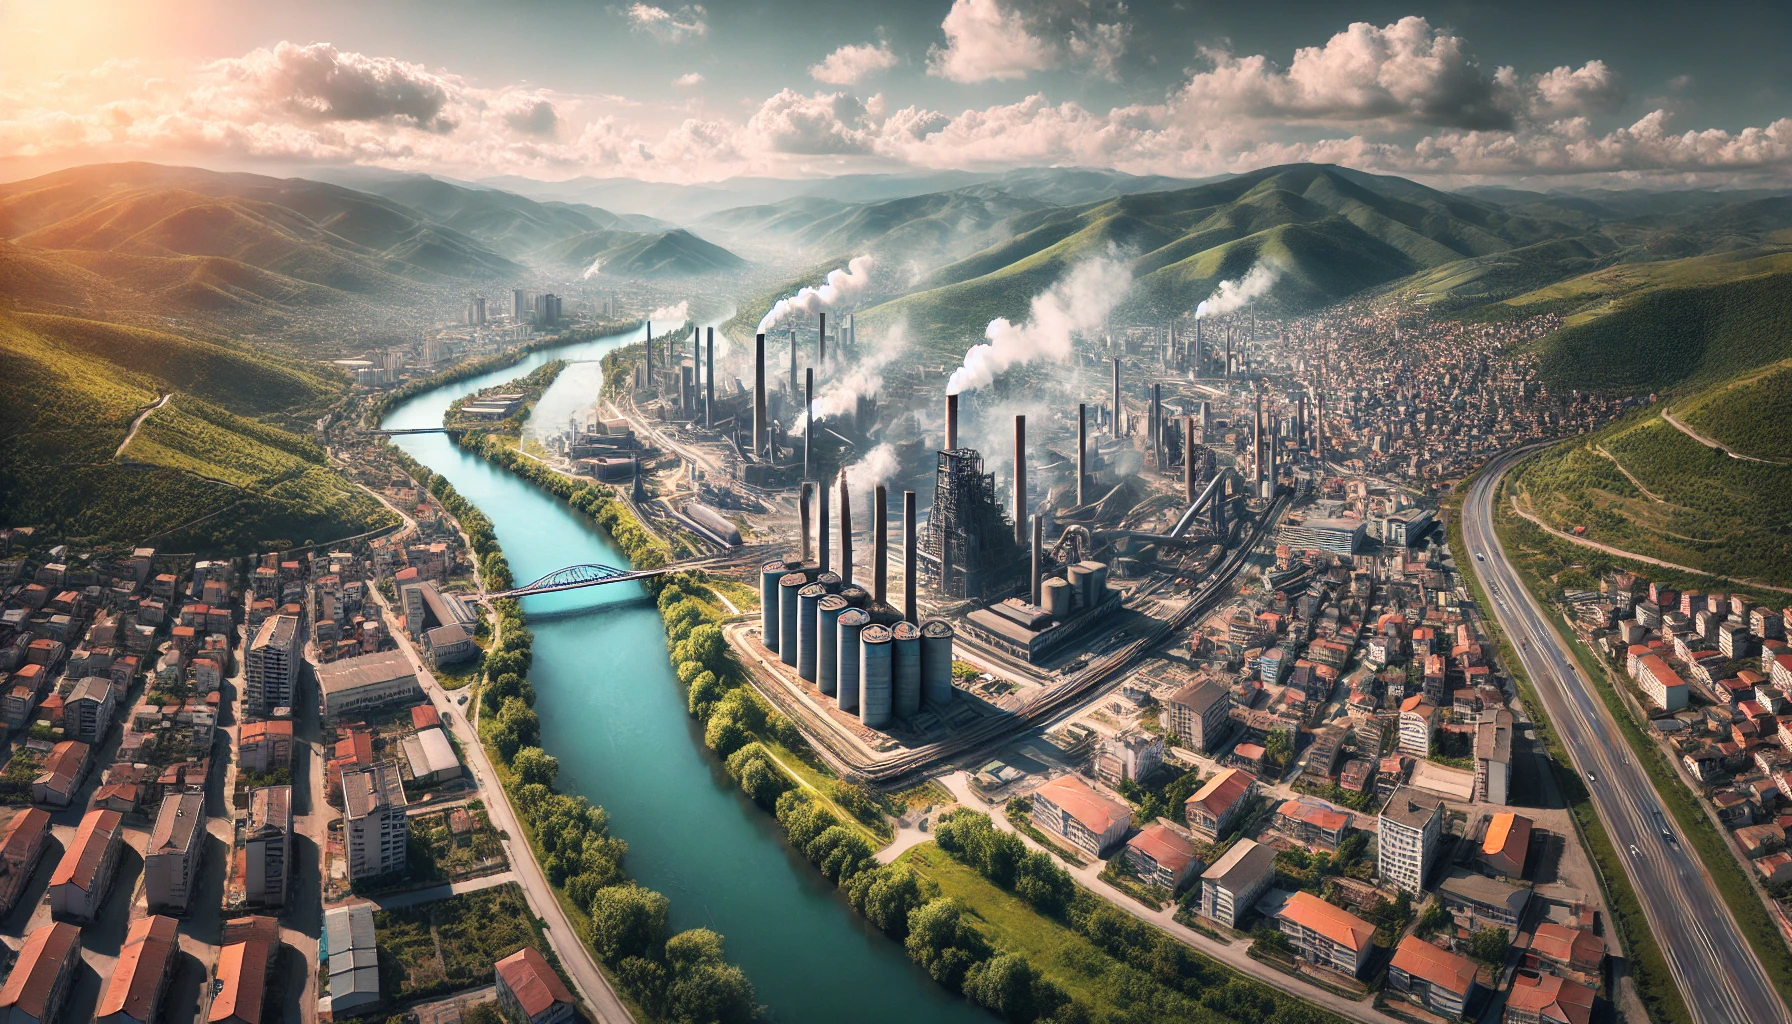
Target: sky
<point x="1522" y="92"/>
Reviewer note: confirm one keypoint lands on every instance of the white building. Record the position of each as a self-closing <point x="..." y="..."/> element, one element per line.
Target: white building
<point x="271" y="665"/>
<point x="267" y="845"/>
<point x="1235" y="882"/>
<point x="375" y="830"/>
<point x="371" y="680"/>
<point x="1410" y="827"/>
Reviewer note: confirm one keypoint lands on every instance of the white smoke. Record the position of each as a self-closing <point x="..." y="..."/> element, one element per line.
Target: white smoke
<point x="840" y="395"/>
<point x="592" y="271"/>
<point x="1231" y="295"/>
<point x="1078" y="303"/>
<point x="878" y="466"/>
<point x="840" y="286"/>
<point x="677" y="314"/>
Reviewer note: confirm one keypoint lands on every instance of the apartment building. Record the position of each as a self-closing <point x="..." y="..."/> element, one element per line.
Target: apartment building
<point x="1160" y="855"/>
<point x="87" y="713"/>
<point x="176" y="846"/>
<point x="1235" y="882"/>
<point x="1493" y="757"/>
<point x="21" y="848"/>
<point x="42" y="975"/>
<point x="375" y="830"/>
<point x="140" y="978"/>
<point x="1438" y="980"/>
<point x="1200" y="715"/>
<point x="267" y="845"/>
<point x="1326" y="935"/>
<point x="1410" y="827"/>
<point x="271" y="665"/>
<point x="1066" y="806"/>
<point x="83" y="876"/>
<point x="1216" y="805"/>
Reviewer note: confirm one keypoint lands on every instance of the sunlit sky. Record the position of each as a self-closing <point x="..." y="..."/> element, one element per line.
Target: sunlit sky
<point x="1527" y="92"/>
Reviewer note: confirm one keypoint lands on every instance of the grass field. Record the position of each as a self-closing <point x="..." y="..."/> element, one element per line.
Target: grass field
<point x="451" y="944"/>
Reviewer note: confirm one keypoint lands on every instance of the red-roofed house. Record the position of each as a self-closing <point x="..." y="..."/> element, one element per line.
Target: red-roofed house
<point x="424" y="716"/>
<point x="1326" y="935"/>
<point x="1436" y="979"/>
<point x="141" y="976"/>
<point x="263" y="747"/>
<point x="530" y="990"/>
<point x="242" y="976"/>
<point x="1161" y="856"/>
<point x="42" y="974"/>
<point x="1573" y="952"/>
<point x="20" y="850"/>
<point x="84" y="875"/>
<point x="1215" y="805"/>
<point x="1313" y="821"/>
<point x="1547" y="999"/>
<point x="1506" y="845"/>
<point x="1068" y="807"/>
<point x="62" y="774"/>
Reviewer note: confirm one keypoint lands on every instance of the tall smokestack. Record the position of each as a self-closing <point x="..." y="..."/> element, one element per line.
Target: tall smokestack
<point x="709" y="399"/>
<point x="1020" y="480"/>
<point x="1188" y="459"/>
<point x="649" y="363"/>
<point x="1157" y="426"/>
<point x="1082" y="453"/>
<point x="910" y="610"/>
<point x="809" y="413"/>
<point x="793" y="381"/>
<point x="951" y="422"/>
<point x="1038" y="556"/>
<point x="1116" y="400"/>
<point x="821" y="341"/>
<point x="821" y="531"/>
<point x="808" y="496"/>
<point x="880" y="545"/>
<point x="1228" y="373"/>
<point x="759" y="396"/>
<point x="845" y="532"/>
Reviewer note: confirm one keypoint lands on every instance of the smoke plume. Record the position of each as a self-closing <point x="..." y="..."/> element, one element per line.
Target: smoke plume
<point x="592" y="271"/>
<point x="840" y="395"/>
<point x="841" y="286"/>
<point x="878" y="466"/>
<point x="1079" y="302"/>
<point x="677" y="314"/>
<point x="1231" y="295"/>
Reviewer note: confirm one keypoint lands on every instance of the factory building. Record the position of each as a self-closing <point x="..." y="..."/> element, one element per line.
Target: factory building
<point x="1336" y="536"/>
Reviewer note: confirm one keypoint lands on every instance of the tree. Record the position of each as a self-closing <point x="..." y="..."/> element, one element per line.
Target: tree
<point x="1008" y="985"/>
<point x="712" y="993"/>
<point x="706" y="689"/>
<point x="887" y="896"/>
<point x="627" y="920"/>
<point x="484" y="1013"/>
<point x="943" y="943"/>
<point x="1277" y="750"/>
<point x="534" y="766"/>
<point x="1489" y="945"/>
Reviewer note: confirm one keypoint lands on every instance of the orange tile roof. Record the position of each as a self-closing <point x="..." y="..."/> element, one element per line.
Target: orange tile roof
<point x="1164" y="845"/>
<point x="1451" y="972"/>
<point x="25" y="830"/>
<point x="1340" y="926"/>
<point x="142" y="963"/>
<point x="1506" y="833"/>
<point x="527" y="974"/>
<point x="1222" y="791"/>
<point x="81" y="861"/>
<point x="1551" y="998"/>
<point x="1565" y="945"/>
<point x="1320" y="816"/>
<point x="34" y="972"/>
<point x="1093" y="811"/>
<point x="243" y="968"/>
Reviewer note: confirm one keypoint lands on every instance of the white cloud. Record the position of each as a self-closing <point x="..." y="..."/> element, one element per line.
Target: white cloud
<point x="688" y="80"/>
<point x="985" y="42"/>
<point x="1592" y="88"/>
<point x="852" y="64"/>
<point x="320" y="83"/>
<point x="531" y="115"/>
<point x="824" y="123"/>
<point x="688" y="22"/>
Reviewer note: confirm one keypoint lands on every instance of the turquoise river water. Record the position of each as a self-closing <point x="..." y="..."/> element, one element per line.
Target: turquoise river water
<point x="613" y="713"/>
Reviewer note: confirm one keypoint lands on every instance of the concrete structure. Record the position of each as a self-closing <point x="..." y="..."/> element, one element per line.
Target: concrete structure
<point x="1574" y="953"/>
<point x="176" y="846"/>
<point x="1162" y="856"/>
<point x="1336" y="536"/>
<point x="42" y="975"/>
<point x="354" y="959"/>
<point x="1217" y="804"/>
<point x="1662" y="684"/>
<point x="134" y="993"/>
<point x="1493" y="757"/>
<point x="365" y="682"/>
<point x="1436" y="979"/>
<point x="1325" y="935"/>
<point x="1416" y="718"/>
<point x="1131" y="755"/>
<point x="271" y="665"/>
<point x="375" y="831"/>
<point x="267" y="845"/>
<point x="1066" y="806"/>
<point x="21" y="848"/>
<point x="430" y="756"/>
<point x="84" y="875"/>
<point x="87" y="712"/>
<point x="1200" y="715"/>
<point x="529" y="992"/>
<point x="62" y="773"/>
<point x="1410" y="827"/>
<point x="1484" y="902"/>
<point x="263" y="747"/>
<point x="1235" y="882"/>
<point x="1315" y="822"/>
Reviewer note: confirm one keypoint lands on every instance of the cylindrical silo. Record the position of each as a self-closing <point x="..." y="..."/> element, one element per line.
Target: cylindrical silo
<point x="830" y="581"/>
<point x="1057" y="598"/>
<point x="769" y="575"/>
<point x="827" y="636"/>
<point x="1098" y="579"/>
<point x="788" y="586"/>
<point x="807" y="600"/>
<point x="907" y="664"/>
<point x="856" y="595"/>
<point x="936" y="663"/>
<point x="851" y="624"/>
<point x="1078" y="575"/>
<point x="876" y="676"/>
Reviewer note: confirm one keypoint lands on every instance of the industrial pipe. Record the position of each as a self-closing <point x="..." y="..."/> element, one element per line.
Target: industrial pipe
<point x="880" y="545"/>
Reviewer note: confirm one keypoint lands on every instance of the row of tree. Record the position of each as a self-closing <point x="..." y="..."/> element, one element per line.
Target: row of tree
<point x="591" y="499"/>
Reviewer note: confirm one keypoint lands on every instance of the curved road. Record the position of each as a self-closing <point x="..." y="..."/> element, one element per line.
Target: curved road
<point x="1713" y="965"/>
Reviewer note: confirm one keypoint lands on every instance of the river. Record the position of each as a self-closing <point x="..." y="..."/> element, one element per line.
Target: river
<point x="613" y="713"/>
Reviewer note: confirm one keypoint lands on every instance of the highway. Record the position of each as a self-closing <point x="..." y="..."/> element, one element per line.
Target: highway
<point x="1712" y="964"/>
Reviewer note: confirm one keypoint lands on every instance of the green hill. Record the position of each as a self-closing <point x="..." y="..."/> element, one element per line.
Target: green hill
<point x="195" y="476"/>
<point x="1751" y="414"/>
<point x="676" y="253"/>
